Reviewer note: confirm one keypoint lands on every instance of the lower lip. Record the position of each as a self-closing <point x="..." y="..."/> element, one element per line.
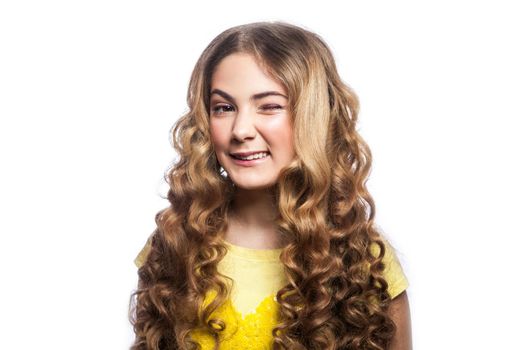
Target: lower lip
<point x="251" y="162"/>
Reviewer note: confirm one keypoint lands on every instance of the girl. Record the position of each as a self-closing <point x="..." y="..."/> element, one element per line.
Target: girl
<point x="269" y="241"/>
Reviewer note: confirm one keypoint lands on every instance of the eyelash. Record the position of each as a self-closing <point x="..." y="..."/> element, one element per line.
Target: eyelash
<point x="216" y="109"/>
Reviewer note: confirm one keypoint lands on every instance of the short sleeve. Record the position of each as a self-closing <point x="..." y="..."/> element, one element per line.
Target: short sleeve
<point x="143" y="254"/>
<point x="393" y="273"/>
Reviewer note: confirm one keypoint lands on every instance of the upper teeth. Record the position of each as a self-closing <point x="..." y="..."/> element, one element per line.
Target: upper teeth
<point x="255" y="156"/>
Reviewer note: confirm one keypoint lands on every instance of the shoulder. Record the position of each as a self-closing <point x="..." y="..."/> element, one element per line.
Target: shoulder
<point x="393" y="272"/>
<point x="144" y="252"/>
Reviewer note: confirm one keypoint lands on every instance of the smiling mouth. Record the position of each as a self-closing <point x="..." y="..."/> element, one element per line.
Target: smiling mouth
<point x="255" y="156"/>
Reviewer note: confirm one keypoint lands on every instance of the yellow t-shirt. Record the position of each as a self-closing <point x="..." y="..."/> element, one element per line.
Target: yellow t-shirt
<point x="252" y="311"/>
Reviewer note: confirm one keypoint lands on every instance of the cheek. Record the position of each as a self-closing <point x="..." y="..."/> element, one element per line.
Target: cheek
<point x="219" y="137"/>
<point x="290" y="146"/>
<point x="283" y="138"/>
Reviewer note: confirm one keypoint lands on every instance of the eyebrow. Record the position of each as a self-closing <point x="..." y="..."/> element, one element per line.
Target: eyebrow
<point x="258" y="96"/>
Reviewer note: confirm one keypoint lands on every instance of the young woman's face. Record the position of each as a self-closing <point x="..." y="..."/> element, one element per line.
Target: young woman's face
<point x="250" y="124"/>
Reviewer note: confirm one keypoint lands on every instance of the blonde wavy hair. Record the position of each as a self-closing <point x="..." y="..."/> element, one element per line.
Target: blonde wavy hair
<point x="336" y="296"/>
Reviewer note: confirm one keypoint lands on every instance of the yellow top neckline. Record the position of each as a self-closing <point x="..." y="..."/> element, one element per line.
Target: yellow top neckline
<point x="253" y="253"/>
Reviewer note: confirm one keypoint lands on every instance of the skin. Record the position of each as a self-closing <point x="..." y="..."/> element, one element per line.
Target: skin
<point x="400" y="313"/>
<point x="239" y="123"/>
<point x="242" y="120"/>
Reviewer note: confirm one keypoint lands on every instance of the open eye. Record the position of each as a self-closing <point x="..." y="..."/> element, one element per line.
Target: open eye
<point x="219" y="109"/>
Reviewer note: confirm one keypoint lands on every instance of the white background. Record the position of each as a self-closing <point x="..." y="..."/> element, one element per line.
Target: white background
<point x="90" y="89"/>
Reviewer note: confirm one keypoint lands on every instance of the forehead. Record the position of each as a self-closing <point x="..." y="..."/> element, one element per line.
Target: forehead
<point x="240" y="74"/>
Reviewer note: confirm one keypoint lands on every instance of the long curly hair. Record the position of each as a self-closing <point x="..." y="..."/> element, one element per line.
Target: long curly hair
<point x="336" y="296"/>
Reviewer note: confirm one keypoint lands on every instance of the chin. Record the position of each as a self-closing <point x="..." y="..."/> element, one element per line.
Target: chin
<point x="253" y="185"/>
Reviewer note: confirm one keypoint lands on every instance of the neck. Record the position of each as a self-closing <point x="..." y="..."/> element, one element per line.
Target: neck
<point x="254" y="207"/>
<point x="251" y="221"/>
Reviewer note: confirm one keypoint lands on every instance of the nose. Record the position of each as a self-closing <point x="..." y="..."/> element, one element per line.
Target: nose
<point x="243" y="126"/>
